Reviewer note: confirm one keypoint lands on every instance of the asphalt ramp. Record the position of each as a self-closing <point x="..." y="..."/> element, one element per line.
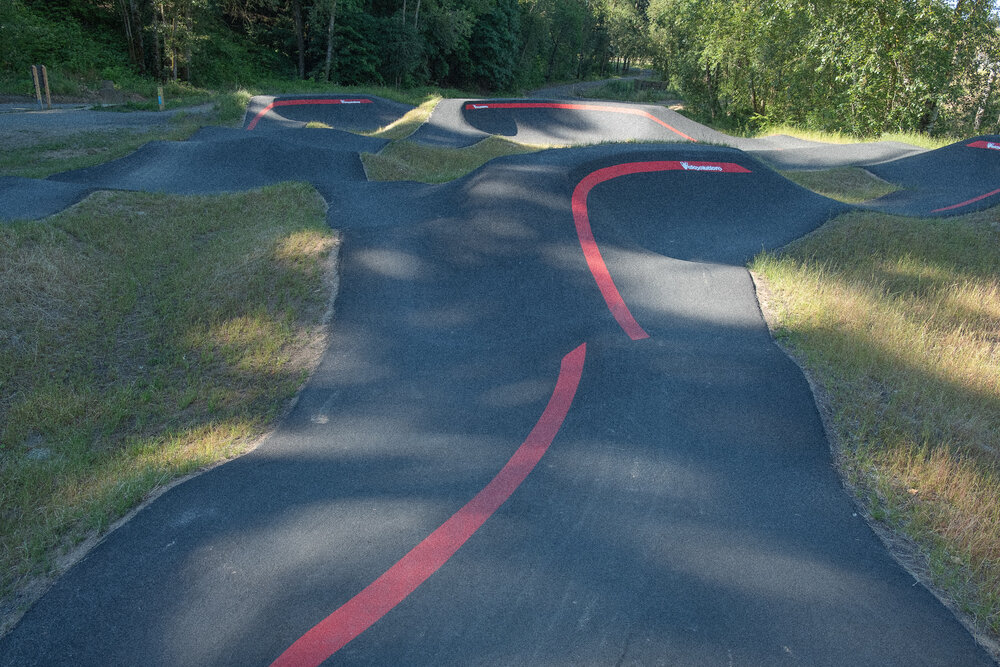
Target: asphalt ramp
<point x="224" y="160"/>
<point x="955" y="179"/>
<point x="341" y="111"/>
<point x="558" y="123"/>
<point x="32" y="198"/>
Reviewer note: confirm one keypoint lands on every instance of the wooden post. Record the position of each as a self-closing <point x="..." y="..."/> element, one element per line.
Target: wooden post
<point x="45" y="79"/>
<point x="38" y="90"/>
<point x="159" y="96"/>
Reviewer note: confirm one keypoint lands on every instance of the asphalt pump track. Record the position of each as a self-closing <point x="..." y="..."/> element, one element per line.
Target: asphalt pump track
<point x="551" y="428"/>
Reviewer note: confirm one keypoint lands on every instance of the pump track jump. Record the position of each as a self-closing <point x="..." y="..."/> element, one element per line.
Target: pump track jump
<point x="551" y="426"/>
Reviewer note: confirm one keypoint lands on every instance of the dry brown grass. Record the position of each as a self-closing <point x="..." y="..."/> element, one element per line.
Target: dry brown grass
<point x="899" y="321"/>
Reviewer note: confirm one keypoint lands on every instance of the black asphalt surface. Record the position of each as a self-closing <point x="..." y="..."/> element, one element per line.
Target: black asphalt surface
<point x="348" y="111"/>
<point x="454" y="125"/>
<point x="939" y="182"/>
<point x="687" y="511"/>
<point x="75" y="119"/>
<point x="796" y="154"/>
<point x="233" y="160"/>
<point x="32" y="198"/>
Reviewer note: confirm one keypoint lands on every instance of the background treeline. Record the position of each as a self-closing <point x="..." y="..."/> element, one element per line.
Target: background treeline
<point x="859" y="66"/>
<point x="487" y="45"/>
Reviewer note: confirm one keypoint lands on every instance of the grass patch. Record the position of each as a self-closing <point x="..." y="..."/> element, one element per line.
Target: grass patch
<point x="144" y="336"/>
<point x="408" y="124"/>
<point x="898" y="320"/>
<point x="37" y="155"/>
<point x="912" y="138"/>
<point x="632" y="90"/>
<point x="851" y="185"/>
<point x="408" y="161"/>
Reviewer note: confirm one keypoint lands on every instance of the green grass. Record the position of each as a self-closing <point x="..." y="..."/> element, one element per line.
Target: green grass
<point x="898" y="321"/>
<point x="912" y="138"/>
<point x="37" y="155"/>
<point x="40" y="154"/>
<point x="408" y="161"/>
<point x="142" y="337"/>
<point x="852" y="185"/>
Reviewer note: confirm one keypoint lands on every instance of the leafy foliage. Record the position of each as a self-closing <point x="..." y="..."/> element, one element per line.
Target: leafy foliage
<point x="486" y="45"/>
<point x="863" y="67"/>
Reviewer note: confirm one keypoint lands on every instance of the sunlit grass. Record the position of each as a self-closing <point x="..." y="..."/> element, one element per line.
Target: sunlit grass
<point x="912" y="138"/>
<point x="919" y="139"/>
<point x="851" y="185"/>
<point x="408" y="124"/>
<point x="898" y="320"/>
<point x="409" y="161"/>
<point x="143" y="337"/>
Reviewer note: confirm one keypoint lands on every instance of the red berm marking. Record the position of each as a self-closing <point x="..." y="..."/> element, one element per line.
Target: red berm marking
<point x="364" y="609"/>
<point x="967" y="202"/>
<point x="289" y="103"/>
<point x="577" y="107"/>
<point x="581" y="218"/>
<point x="989" y="145"/>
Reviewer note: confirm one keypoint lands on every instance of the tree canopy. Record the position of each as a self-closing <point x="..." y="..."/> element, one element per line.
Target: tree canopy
<point x="864" y="67"/>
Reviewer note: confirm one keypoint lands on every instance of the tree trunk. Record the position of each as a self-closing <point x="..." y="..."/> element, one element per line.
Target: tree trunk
<point x="173" y="48"/>
<point x="300" y="36"/>
<point x="137" y="22"/>
<point x="129" y="32"/>
<point x="189" y="26"/>
<point x="929" y="118"/>
<point x="416" y="16"/>
<point x="329" y="41"/>
<point x="157" y="46"/>
<point x="978" y="122"/>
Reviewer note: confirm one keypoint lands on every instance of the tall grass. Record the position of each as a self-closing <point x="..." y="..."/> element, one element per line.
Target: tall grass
<point x="912" y="138"/>
<point x="898" y="320"/>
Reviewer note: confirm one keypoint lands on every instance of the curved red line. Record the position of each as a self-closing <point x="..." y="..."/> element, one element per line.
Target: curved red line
<point x="966" y="203"/>
<point x="364" y="609"/>
<point x="591" y="252"/>
<point x="578" y="107"/>
<point x="285" y="103"/>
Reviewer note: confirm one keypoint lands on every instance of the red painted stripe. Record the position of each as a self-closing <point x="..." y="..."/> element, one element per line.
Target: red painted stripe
<point x="966" y="203"/>
<point x="286" y="103"/>
<point x="592" y="253"/>
<point x="577" y="107"/>
<point x="364" y="609"/>
<point x="984" y="144"/>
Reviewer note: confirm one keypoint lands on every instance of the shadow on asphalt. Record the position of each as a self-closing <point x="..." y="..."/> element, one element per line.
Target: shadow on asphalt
<point x="686" y="513"/>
